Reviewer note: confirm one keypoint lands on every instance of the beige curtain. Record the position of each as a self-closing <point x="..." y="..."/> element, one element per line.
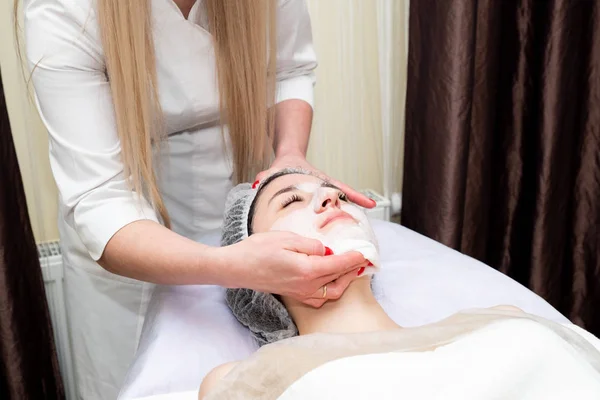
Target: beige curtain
<point x="29" y="135"/>
<point x="358" y="130"/>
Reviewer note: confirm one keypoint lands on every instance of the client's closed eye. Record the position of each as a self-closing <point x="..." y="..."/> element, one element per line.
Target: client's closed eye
<point x="292" y="199"/>
<point x="341" y="195"/>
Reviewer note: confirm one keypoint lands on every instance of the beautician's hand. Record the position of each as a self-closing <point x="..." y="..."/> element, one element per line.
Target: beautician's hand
<point x="336" y="289"/>
<point x="290" y="265"/>
<point x="299" y="161"/>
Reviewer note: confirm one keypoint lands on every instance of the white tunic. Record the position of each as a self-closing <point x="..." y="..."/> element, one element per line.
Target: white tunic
<point x="106" y="311"/>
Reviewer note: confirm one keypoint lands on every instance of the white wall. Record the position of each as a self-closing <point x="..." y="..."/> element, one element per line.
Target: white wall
<point x="347" y="140"/>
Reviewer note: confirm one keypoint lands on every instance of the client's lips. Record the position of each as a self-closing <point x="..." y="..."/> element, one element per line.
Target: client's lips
<point x="335" y="216"/>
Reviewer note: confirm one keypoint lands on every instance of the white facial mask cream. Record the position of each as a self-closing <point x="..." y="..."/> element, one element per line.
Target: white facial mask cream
<point x="342" y="235"/>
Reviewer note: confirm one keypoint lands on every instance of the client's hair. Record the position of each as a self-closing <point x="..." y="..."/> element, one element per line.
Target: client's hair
<point x="262" y="313"/>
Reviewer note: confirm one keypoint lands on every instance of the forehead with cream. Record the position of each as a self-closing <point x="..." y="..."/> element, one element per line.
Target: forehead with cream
<point x="263" y="188"/>
<point x="276" y="189"/>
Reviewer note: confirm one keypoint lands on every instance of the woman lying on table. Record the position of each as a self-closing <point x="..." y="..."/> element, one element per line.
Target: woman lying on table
<point x="351" y="349"/>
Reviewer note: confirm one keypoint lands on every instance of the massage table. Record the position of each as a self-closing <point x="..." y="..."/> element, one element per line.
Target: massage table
<point x="189" y="330"/>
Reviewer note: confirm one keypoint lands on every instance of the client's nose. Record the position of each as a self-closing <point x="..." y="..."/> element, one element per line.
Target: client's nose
<point x="328" y="198"/>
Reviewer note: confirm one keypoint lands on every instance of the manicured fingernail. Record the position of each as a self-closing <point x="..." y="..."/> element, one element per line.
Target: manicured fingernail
<point x="370" y="264"/>
<point x="328" y="251"/>
<point x="255" y="184"/>
<point x="360" y="271"/>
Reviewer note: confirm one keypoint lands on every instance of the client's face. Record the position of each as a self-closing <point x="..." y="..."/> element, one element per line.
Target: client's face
<point x="310" y="207"/>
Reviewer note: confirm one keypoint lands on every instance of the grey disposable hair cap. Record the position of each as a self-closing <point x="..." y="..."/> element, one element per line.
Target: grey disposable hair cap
<point x="262" y="313"/>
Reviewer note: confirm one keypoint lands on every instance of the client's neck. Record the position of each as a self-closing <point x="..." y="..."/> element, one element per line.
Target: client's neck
<point x="356" y="311"/>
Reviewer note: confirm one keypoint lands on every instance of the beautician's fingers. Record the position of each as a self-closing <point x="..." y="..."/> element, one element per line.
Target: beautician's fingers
<point x="334" y="277"/>
<point x="336" y="285"/>
<point x="325" y="268"/>
<point x="304" y="245"/>
<point x="348" y="276"/>
<point x="293" y="160"/>
<point x="263" y="174"/>
<point x="315" y="303"/>
<point x="335" y="289"/>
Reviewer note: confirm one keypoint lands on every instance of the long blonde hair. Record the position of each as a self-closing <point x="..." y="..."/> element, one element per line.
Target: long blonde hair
<point x="244" y="40"/>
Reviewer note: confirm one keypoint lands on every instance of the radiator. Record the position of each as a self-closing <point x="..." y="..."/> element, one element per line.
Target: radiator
<point x="52" y="270"/>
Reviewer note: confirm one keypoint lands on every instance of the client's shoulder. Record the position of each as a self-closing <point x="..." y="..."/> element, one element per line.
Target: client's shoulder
<point x="214" y="376"/>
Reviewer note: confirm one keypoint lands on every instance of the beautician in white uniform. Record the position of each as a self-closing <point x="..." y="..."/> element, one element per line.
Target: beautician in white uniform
<point x="96" y="67"/>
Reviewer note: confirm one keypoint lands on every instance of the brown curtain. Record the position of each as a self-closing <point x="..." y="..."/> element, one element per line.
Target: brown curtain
<point x="503" y="140"/>
<point x="28" y="362"/>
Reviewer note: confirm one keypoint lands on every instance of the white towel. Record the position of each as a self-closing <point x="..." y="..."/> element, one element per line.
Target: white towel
<point x="367" y="248"/>
<point x="512" y="360"/>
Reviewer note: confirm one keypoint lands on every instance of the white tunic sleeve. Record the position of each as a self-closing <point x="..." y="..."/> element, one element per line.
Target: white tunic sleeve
<point x="296" y="59"/>
<point x="74" y="100"/>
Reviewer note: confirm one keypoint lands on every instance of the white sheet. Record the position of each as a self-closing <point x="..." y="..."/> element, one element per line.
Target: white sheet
<point x="507" y="360"/>
<point x="189" y="329"/>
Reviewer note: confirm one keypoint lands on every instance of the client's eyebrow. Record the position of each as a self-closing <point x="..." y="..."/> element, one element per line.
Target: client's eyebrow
<point x="282" y="191"/>
<point x="331" y="185"/>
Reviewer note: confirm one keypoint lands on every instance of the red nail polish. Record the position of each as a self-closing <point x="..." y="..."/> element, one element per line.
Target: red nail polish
<point x="370" y="264"/>
<point x="255" y="184"/>
<point x="360" y="271"/>
<point x="328" y="251"/>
